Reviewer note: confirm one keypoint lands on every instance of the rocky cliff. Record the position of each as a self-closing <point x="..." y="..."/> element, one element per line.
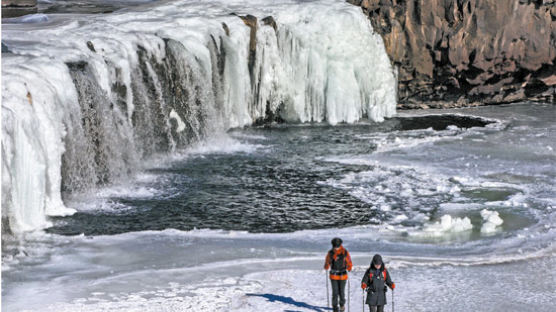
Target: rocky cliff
<point x="452" y="53"/>
<point x="14" y="8"/>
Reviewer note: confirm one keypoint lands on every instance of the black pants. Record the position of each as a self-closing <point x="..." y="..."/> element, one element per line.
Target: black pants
<point x="338" y="290"/>
<point x="376" y="308"/>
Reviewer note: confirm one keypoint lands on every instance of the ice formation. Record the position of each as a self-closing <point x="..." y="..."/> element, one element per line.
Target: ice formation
<point x="491" y="221"/>
<point x="86" y="98"/>
<point x="447" y="224"/>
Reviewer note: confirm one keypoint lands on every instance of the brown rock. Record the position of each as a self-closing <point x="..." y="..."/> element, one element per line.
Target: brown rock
<point x="226" y="29"/>
<point x="19" y="3"/>
<point x="29" y="98"/>
<point x="15" y="8"/>
<point x="91" y="46"/>
<point x="468" y="52"/>
<point x="269" y="20"/>
<point x="251" y="21"/>
<point x="549" y="81"/>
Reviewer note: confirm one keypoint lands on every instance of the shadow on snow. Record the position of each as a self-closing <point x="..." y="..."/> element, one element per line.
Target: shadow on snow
<point x="290" y="300"/>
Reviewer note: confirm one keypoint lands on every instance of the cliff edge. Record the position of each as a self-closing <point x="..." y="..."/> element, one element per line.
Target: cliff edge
<point x="452" y="53"/>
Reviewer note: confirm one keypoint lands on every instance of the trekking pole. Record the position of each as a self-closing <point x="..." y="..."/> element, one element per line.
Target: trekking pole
<point x="349" y="294"/>
<point x="363" y="297"/>
<point x="327" y="292"/>
<point x="392" y="300"/>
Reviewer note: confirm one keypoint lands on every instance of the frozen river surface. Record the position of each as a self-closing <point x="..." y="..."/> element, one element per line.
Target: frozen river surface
<point x="242" y="222"/>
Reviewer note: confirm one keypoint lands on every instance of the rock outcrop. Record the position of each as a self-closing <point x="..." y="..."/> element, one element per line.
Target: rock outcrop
<point x="252" y="22"/>
<point x="453" y="53"/>
<point x="15" y="8"/>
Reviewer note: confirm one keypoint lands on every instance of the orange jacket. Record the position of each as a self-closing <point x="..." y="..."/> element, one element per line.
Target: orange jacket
<point x="333" y="255"/>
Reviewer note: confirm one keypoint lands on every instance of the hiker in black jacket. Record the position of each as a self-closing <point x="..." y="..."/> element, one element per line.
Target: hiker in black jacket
<point x="374" y="281"/>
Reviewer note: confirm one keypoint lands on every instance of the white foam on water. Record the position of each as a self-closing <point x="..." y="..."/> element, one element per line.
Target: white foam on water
<point x="128" y="191"/>
<point x="245" y="136"/>
<point x="223" y="144"/>
<point x="139" y="186"/>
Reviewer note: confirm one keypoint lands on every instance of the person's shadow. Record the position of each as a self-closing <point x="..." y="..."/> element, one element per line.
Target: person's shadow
<point x="290" y="300"/>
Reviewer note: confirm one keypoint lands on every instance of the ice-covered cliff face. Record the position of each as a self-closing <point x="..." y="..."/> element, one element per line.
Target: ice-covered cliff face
<point x="86" y="98"/>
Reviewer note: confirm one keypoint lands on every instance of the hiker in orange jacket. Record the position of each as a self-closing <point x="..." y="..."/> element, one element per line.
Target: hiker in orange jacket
<point x="339" y="263"/>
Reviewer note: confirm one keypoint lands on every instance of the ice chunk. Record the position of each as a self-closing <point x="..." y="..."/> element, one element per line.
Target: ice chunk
<point x="33" y="18"/>
<point x="448" y="224"/>
<point x="400" y="218"/>
<point x="491" y="221"/>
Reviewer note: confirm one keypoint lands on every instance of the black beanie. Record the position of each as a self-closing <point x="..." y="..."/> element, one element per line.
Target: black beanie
<point x="336" y="242"/>
<point x="377" y="259"/>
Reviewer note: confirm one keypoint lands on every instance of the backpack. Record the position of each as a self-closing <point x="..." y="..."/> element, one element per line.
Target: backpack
<point x="338" y="265"/>
<point x="383" y="274"/>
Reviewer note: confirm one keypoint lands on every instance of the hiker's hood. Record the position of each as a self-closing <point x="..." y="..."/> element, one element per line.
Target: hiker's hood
<point x="377" y="259"/>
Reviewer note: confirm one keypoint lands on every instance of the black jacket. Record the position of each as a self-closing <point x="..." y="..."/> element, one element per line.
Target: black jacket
<point x="376" y="285"/>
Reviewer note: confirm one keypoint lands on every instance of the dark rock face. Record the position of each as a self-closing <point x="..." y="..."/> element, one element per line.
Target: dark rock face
<point x="453" y="53"/>
<point x="269" y="20"/>
<point x="5" y="48"/>
<point x="15" y="8"/>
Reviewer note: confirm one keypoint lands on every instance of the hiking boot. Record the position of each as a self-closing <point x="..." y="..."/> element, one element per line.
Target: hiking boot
<point x="342" y="308"/>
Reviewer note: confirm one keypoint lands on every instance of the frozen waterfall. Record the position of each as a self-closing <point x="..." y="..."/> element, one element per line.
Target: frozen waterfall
<point x="86" y="97"/>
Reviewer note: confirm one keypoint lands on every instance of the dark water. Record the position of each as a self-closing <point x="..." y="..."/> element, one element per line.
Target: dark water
<point x="279" y="187"/>
<point x="88" y="6"/>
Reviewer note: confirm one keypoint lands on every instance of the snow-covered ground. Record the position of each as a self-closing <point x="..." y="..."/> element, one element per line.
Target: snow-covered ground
<point x="233" y="271"/>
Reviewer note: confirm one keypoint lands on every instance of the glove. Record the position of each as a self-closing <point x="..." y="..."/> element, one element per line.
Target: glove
<point x="393" y="286"/>
<point x="363" y="286"/>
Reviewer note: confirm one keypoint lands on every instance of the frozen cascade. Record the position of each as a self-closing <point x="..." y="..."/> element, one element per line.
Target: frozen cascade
<point x="85" y="99"/>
